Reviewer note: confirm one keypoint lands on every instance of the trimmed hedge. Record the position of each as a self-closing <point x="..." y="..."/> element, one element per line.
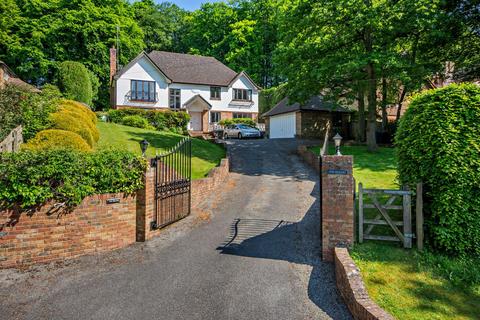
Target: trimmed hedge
<point x="136" y="121"/>
<point x="247" y="121"/>
<point x="73" y="122"/>
<point x="57" y="139"/>
<point x="161" y="120"/>
<point x="74" y="81"/>
<point x="438" y="142"/>
<point x="29" y="179"/>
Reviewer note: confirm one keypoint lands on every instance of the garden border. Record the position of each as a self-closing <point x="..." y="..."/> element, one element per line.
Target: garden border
<point x="101" y="223"/>
<point x="352" y="289"/>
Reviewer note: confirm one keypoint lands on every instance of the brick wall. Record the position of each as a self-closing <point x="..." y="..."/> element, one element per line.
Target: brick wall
<point x="312" y="124"/>
<point x="337" y="203"/>
<point x="51" y="233"/>
<point x="203" y="187"/>
<point x="352" y="289"/>
<point x="309" y="157"/>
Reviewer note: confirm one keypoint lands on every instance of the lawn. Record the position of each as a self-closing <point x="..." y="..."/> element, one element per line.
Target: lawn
<point x="374" y="170"/>
<point x="414" y="285"/>
<point x="407" y="283"/>
<point x="205" y="155"/>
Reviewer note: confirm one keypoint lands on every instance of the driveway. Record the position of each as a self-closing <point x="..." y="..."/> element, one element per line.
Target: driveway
<point x="251" y="252"/>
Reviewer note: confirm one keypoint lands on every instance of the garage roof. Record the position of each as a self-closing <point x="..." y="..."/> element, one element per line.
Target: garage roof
<point x="316" y="103"/>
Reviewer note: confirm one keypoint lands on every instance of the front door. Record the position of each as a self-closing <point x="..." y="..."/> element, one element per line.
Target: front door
<point x="195" y="121"/>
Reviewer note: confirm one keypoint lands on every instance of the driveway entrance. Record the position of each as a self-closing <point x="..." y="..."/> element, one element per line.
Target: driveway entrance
<point x="251" y="252"/>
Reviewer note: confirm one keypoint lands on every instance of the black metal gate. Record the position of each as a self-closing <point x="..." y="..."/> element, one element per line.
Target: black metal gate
<point x="173" y="171"/>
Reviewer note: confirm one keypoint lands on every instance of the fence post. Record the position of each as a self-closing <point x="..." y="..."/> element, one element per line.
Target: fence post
<point x="419" y="216"/>
<point x="360" y="212"/>
<point x="407" y="220"/>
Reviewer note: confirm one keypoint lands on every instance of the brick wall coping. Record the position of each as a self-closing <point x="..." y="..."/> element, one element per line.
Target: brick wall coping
<point x="352" y="289"/>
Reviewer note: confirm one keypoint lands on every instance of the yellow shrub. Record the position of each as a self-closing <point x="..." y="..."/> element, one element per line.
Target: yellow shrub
<point x="56" y="139"/>
<point x="72" y="105"/>
<point x="82" y="111"/>
<point x="74" y="122"/>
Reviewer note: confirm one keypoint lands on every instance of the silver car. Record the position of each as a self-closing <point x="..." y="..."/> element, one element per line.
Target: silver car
<point x="240" y="131"/>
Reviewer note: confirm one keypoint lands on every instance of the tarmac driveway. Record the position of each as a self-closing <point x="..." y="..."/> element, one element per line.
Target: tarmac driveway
<point x="250" y="252"/>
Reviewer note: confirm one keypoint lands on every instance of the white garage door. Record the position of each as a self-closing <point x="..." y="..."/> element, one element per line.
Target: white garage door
<point x="282" y="126"/>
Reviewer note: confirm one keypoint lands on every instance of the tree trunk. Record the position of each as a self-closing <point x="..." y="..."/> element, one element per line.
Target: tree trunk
<point x="372" y="108"/>
<point x="384" y="104"/>
<point x="400" y="102"/>
<point x="361" y="114"/>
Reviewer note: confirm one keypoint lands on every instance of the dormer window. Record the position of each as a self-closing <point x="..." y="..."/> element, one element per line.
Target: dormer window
<point x="215" y="93"/>
<point x="141" y="90"/>
<point x="242" y="94"/>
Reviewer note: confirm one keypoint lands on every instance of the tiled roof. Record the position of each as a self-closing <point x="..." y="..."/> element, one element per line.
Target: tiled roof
<point x="316" y="103"/>
<point x="186" y="68"/>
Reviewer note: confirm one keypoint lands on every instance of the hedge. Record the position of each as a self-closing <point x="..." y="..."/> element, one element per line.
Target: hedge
<point x="137" y="122"/>
<point x="438" y="142"/>
<point x="68" y="121"/>
<point x="29" y="179"/>
<point x="247" y="121"/>
<point x="52" y="139"/>
<point x="74" y="81"/>
<point x="19" y="106"/>
<point x="160" y="119"/>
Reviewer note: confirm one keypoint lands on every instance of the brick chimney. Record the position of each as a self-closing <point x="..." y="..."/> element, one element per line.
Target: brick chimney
<point x="113" y="63"/>
<point x="2" y="77"/>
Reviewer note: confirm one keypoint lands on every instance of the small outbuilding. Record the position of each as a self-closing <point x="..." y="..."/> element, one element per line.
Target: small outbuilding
<point x="295" y="120"/>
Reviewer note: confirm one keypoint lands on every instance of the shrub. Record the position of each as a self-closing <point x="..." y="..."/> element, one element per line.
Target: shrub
<point x="136" y="121"/>
<point x="247" y="121"/>
<point x="73" y="122"/>
<point x="74" y="81"/>
<point x="57" y="139"/>
<point x="438" y="143"/>
<point x="159" y="119"/>
<point x="19" y="106"/>
<point x="82" y="112"/>
<point x="30" y="178"/>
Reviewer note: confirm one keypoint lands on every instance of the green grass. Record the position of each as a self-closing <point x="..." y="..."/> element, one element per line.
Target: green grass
<point x="373" y="170"/>
<point x="407" y="283"/>
<point x="413" y="285"/>
<point x="205" y="155"/>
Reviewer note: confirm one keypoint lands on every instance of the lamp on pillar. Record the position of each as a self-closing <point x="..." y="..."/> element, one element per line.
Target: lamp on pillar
<point x="144" y="145"/>
<point x="338" y="141"/>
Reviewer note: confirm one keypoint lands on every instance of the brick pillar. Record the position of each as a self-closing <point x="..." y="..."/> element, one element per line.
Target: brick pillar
<point x="337" y="204"/>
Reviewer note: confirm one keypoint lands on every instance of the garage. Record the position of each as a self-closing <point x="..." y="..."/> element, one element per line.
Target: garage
<point x="308" y="120"/>
<point x="282" y="126"/>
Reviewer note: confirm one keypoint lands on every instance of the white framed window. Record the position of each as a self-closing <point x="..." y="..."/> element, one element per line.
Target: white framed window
<point x="141" y="90"/>
<point x="215" y="93"/>
<point x="174" y="98"/>
<point x="242" y="115"/>
<point x="242" y="94"/>
<point x="215" y="117"/>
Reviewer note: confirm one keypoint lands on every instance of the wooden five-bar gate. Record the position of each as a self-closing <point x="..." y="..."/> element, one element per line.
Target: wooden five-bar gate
<point x="396" y="200"/>
<point x="173" y="171"/>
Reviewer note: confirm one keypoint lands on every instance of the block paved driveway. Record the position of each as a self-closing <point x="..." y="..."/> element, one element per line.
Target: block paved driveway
<point x="251" y="252"/>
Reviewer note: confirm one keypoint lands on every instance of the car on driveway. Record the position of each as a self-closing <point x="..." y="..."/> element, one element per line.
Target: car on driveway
<point x="241" y="131"/>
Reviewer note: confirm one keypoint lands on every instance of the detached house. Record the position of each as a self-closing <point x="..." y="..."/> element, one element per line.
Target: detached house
<point x="202" y="86"/>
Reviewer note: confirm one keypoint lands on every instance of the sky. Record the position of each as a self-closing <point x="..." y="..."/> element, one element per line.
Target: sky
<point x="190" y="4"/>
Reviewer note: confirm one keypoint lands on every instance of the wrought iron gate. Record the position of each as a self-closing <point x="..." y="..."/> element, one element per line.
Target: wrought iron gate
<point x="173" y="171"/>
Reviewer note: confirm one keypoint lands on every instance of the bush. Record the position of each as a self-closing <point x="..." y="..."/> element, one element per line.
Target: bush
<point x="247" y="121"/>
<point x="73" y="122"/>
<point x="137" y="122"/>
<point x="29" y="178"/>
<point x="88" y="117"/>
<point x="74" y="81"/>
<point x="159" y="119"/>
<point x="438" y="143"/>
<point x="19" y="106"/>
<point x="57" y="139"/>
